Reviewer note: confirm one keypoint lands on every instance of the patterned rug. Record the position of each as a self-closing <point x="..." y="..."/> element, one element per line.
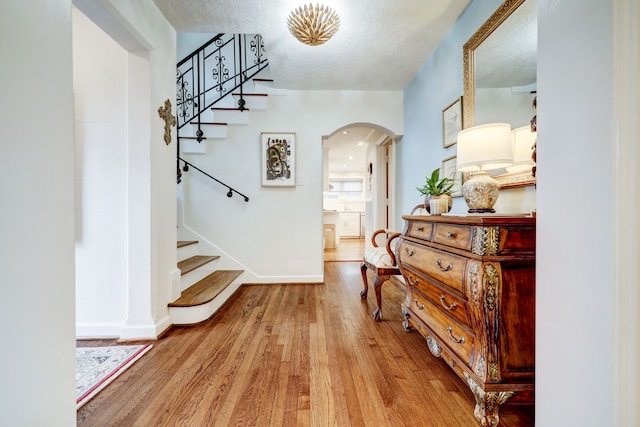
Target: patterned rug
<point x="96" y="367"/>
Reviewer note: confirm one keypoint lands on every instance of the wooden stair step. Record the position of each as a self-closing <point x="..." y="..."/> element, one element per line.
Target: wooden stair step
<point x="194" y="262"/>
<point x="183" y="243"/>
<point x="206" y="289"/>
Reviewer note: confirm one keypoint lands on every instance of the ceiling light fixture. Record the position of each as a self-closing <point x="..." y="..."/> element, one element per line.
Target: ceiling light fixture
<point x="313" y="25"/>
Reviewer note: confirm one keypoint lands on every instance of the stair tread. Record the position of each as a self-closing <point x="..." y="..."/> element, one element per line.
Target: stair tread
<point x="251" y="94"/>
<point x="228" y="108"/>
<point x="209" y="123"/>
<point x="183" y="243"/>
<point x="206" y="289"/>
<point x="192" y="137"/>
<point x="194" y="262"/>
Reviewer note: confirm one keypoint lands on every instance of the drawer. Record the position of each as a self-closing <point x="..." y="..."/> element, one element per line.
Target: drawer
<point x="457" y="236"/>
<point x="420" y="230"/>
<point x="454" y="336"/>
<point x="443" y="266"/>
<point x="449" y="303"/>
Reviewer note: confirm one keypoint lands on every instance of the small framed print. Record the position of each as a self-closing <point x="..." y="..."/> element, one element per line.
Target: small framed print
<point x="449" y="170"/>
<point x="451" y="122"/>
<point x="278" y="159"/>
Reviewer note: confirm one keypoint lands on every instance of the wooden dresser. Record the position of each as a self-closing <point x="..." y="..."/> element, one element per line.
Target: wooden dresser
<point x="471" y="293"/>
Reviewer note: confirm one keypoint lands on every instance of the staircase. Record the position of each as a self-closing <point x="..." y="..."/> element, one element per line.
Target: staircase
<point x="205" y="289"/>
<point x="218" y="86"/>
<point x="214" y="123"/>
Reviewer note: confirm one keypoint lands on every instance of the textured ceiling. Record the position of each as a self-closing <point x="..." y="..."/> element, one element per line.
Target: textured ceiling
<point x="381" y="44"/>
<point x="348" y="148"/>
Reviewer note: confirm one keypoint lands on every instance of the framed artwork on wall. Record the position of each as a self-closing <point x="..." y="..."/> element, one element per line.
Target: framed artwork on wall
<point x="449" y="171"/>
<point x="278" y="159"/>
<point x="451" y="122"/>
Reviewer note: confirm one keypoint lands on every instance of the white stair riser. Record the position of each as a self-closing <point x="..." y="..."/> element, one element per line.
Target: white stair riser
<point x="209" y="131"/>
<point x="235" y="117"/>
<point x="192" y="277"/>
<point x="253" y="102"/>
<point x="187" y="252"/>
<point x="191" y="146"/>
<point x="200" y="313"/>
<point x="268" y="88"/>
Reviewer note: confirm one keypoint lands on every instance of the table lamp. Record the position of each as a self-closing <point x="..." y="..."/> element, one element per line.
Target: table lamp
<point x="522" y="140"/>
<point x="482" y="148"/>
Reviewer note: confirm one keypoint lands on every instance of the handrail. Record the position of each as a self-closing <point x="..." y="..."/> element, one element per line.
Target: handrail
<point x="231" y="189"/>
<point x="204" y="46"/>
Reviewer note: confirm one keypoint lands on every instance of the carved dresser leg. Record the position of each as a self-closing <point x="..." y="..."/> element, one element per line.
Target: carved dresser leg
<point x="487" y="403"/>
<point x="406" y="324"/>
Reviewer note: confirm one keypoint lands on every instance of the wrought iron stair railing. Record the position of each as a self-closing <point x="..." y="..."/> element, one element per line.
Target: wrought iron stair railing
<point x="209" y="74"/>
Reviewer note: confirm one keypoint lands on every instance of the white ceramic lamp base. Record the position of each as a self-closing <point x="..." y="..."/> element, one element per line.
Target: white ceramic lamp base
<point x="481" y="193"/>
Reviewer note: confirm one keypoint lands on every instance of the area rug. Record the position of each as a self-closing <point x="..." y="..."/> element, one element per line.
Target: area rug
<point x="96" y="367"/>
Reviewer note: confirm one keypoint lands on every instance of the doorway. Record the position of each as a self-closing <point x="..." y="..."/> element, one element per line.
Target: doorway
<point x="357" y="188"/>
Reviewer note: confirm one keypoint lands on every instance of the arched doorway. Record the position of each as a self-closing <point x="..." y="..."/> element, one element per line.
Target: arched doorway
<point x="358" y="184"/>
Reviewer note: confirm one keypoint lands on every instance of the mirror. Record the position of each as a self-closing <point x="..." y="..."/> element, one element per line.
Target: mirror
<point x="499" y="63"/>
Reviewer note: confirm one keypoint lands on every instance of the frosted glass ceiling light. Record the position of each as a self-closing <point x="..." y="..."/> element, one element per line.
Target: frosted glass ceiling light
<point x="313" y="25"/>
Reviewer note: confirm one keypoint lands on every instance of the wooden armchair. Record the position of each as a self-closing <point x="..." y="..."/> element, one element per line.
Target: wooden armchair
<point x="381" y="260"/>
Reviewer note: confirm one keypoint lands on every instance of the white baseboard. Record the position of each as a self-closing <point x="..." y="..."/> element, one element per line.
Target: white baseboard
<point x="97" y="330"/>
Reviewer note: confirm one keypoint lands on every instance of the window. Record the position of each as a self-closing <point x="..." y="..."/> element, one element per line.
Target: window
<point x="345" y="189"/>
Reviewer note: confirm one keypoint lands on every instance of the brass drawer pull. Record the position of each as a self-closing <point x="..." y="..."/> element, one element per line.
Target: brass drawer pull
<point x="420" y="306"/>
<point x="454" y="339"/>
<point x="447" y="268"/>
<point x="409" y="252"/>
<point x="451" y="235"/>
<point x="411" y="281"/>
<point x="420" y="228"/>
<point x="444" y="304"/>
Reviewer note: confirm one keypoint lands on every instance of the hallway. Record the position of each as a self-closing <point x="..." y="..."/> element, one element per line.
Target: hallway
<point x="293" y="355"/>
<point x="346" y="250"/>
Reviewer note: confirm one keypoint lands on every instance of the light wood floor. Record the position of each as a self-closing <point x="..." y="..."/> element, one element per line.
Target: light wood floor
<point x="293" y="355"/>
<point x="346" y="250"/>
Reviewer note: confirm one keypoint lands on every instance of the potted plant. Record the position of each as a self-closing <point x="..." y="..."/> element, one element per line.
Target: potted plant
<point x="436" y="187"/>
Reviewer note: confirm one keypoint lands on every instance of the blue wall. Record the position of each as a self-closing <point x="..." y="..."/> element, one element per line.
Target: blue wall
<point x="435" y="86"/>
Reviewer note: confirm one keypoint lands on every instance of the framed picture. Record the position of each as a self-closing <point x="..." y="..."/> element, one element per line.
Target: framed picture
<point x="449" y="171"/>
<point x="278" y="159"/>
<point x="451" y="123"/>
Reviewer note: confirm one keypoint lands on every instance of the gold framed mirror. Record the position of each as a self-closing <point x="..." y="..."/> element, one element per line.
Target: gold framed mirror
<point x="499" y="73"/>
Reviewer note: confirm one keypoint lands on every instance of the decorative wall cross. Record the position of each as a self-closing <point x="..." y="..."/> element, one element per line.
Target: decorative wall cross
<point x="169" y="120"/>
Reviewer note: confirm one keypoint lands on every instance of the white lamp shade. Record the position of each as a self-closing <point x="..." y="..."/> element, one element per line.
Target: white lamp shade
<point x="485" y="147"/>
<point x="522" y="140"/>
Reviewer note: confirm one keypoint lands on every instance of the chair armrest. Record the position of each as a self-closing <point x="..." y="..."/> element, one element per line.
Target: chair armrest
<point x="391" y="235"/>
<point x="390" y="251"/>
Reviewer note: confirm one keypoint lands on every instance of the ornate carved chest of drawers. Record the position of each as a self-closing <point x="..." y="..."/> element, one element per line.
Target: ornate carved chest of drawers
<point x="471" y="294"/>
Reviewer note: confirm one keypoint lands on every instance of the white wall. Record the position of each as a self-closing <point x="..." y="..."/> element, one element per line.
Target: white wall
<point x="37" y="228"/>
<point x="575" y="265"/>
<point x="189" y="42"/>
<point x="147" y="200"/>
<point x="100" y="96"/>
<point x="503" y="105"/>
<point x="277" y="236"/>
